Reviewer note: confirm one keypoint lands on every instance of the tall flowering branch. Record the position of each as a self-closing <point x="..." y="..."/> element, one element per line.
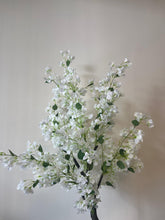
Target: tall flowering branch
<point x="85" y="155"/>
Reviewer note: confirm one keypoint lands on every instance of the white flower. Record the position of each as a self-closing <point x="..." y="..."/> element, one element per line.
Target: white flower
<point x="109" y="95"/>
<point x="48" y="69"/>
<point x="150" y="123"/>
<point x="139" y="116"/>
<point x="25" y="186"/>
<point x="90" y="116"/>
<point x="124" y="132"/>
<point x="139" y="137"/>
<point x="126" y="60"/>
<point x="88" y="158"/>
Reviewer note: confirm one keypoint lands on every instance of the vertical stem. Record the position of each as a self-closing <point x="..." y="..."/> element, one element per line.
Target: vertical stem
<point x="94" y="214"/>
<point x="94" y="210"/>
<point x="99" y="183"/>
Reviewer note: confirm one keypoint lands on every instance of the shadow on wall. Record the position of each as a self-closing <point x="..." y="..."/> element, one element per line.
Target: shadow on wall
<point x="148" y="186"/>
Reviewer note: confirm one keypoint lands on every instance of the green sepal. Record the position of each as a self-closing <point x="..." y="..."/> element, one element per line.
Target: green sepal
<point x="80" y="155"/>
<point x="120" y="164"/>
<point x="111" y="89"/>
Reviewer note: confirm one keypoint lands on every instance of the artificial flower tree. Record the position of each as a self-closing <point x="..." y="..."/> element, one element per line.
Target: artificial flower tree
<point x="85" y="154"/>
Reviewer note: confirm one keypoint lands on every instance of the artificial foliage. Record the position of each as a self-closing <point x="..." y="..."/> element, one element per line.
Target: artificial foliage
<point x="86" y="156"/>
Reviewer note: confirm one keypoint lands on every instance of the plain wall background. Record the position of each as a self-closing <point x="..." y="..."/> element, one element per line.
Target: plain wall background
<point x="32" y="32"/>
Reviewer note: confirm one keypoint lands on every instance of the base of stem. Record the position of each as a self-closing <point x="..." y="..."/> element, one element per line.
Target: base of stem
<point x="94" y="214"/>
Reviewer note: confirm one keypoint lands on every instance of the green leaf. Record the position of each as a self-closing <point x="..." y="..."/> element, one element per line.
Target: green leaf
<point x="91" y="84"/>
<point x="89" y="166"/>
<point x="78" y="106"/>
<point x="120" y="164"/>
<point x="104" y="167"/>
<point x="109" y="184"/>
<point x="35" y="183"/>
<point x="45" y="164"/>
<point x="68" y="62"/>
<point x="122" y="152"/>
<point x="55" y="122"/>
<point x="40" y="149"/>
<point x="98" y="115"/>
<point x="96" y="127"/>
<point x="80" y="155"/>
<point x="68" y="169"/>
<point x="32" y="158"/>
<point x="131" y="170"/>
<point x="92" y="192"/>
<point x="135" y="123"/>
<point x="109" y="123"/>
<point x="85" y="137"/>
<point x="110" y="103"/>
<point x="101" y="139"/>
<point x="111" y="89"/>
<point x="67" y="156"/>
<point x="2" y="154"/>
<point x="54" y="107"/>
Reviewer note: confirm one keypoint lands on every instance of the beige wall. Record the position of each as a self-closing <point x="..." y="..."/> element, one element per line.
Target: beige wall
<point x="32" y="32"/>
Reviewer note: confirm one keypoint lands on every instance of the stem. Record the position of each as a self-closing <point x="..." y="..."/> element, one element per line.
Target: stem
<point x="99" y="183"/>
<point x="94" y="214"/>
<point x="94" y="210"/>
<point x="121" y="141"/>
<point x="78" y="166"/>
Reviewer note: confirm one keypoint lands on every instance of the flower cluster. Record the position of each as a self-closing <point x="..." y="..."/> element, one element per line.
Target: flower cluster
<point x="85" y="155"/>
